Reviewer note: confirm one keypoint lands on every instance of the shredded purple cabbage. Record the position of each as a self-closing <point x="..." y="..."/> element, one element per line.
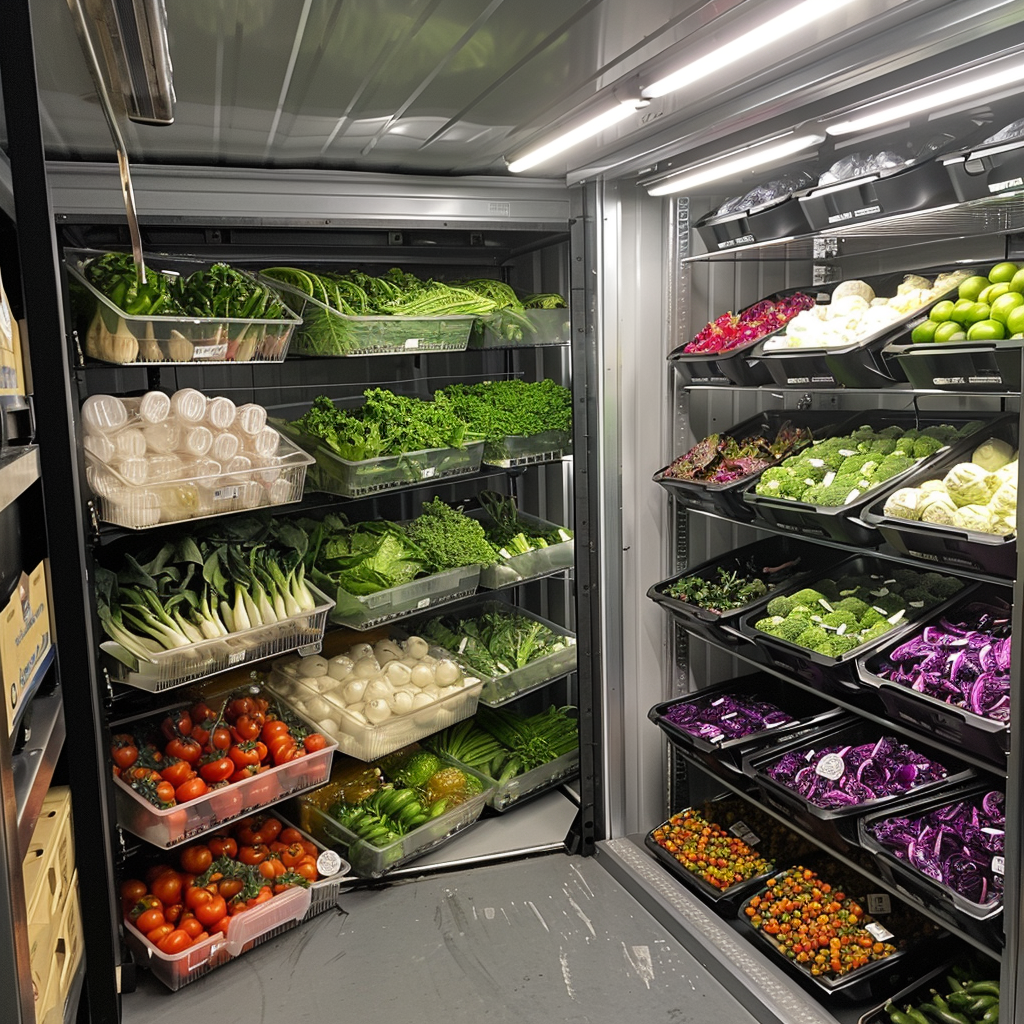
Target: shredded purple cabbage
<point x="954" y="845"/>
<point x="868" y="772"/>
<point x="725" y="716"/>
<point x="963" y="661"/>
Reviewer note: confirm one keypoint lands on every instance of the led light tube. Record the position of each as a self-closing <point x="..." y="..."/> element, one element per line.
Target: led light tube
<point x="796" y="19"/>
<point x="568" y="139"/>
<point x="702" y="174"/>
<point x="930" y="101"/>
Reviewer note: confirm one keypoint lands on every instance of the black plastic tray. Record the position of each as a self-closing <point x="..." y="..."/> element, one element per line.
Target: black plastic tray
<point x="947" y="722"/>
<point x="861" y="364"/>
<point x="838" y="825"/>
<point x="773" y="551"/>
<point x="778" y="219"/>
<point x="916" y="992"/>
<point x="947" y="545"/>
<point x="725" y="901"/>
<point x="904" y="190"/>
<point x="842" y="522"/>
<point x="986" y="170"/>
<point x="736" y="365"/>
<point x="726" y="499"/>
<point x="982" y="366"/>
<point x="837" y="675"/>
<point x="923" y="890"/>
<point x="807" y="710"/>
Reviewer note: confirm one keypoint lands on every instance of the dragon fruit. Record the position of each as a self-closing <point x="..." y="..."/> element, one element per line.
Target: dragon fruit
<point x="731" y="330"/>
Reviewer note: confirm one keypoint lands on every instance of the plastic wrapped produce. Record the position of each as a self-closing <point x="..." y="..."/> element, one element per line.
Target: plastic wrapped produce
<point x="969" y="484"/>
<point x="993" y="455"/>
<point x="858" y="165"/>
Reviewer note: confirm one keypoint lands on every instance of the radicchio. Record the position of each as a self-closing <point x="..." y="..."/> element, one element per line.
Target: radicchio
<point x="868" y="771"/>
<point x="718" y="717"/>
<point x="729" y="331"/>
<point x="954" y="845"/>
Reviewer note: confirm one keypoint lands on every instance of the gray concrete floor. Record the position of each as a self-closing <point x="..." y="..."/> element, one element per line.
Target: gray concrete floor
<point x="537" y="941"/>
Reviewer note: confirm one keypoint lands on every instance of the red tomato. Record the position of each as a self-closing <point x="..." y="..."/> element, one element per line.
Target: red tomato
<point x="166" y="887"/>
<point x="190" y="790"/>
<point x="272" y="729"/>
<point x="290" y="835"/>
<point x="270" y="830"/>
<point x="196" y="859"/>
<point x="244" y="754"/>
<point x="184" y="748"/>
<point x="173" y="913"/>
<point x="220" y="739"/>
<point x="177" y="773"/>
<point x="191" y="926"/>
<point x="238" y="707"/>
<point x="197" y="897"/>
<point x="223" y="846"/>
<point x="247" y="727"/>
<point x="211" y="912"/>
<point x="218" y="771"/>
<point x="177" y="724"/>
<point x="150" y="919"/>
<point x="132" y="890"/>
<point x="253" y="854"/>
<point x="307" y="869"/>
<point x="165" y="793"/>
<point x="314" y="741"/>
<point x="243" y="773"/>
<point x="222" y="925"/>
<point x="124" y="755"/>
<point x="157" y="933"/>
<point x="175" y="941"/>
<point x="230" y="888"/>
<point x="293" y="855"/>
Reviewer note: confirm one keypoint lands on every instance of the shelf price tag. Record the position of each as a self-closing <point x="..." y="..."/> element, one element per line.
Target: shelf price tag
<point x="412" y="342"/>
<point x="998" y="865"/>
<point x="879" y="903"/>
<point x="741" y="831"/>
<point x="226" y="493"/>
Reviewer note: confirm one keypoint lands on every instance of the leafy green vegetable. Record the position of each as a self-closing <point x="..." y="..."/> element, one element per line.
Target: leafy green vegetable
<point x="729" y="590"/>
<point x="510" y="535"/>
<point x="449" y="538"/>
<point x="498" y="409"/>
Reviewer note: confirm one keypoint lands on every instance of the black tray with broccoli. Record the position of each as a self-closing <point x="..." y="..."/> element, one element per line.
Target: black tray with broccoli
<point x="819" y="631"/>
<point x="712" y="474"/>
<point x="821" y="490"/>
<point x="724" y="587"/>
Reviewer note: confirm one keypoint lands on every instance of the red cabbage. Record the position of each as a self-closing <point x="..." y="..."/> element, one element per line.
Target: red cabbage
<point x="865" y="772"/>
<point x="725" y="716"/>
<point x="963" y="661"/>
<point x="954" y="845"/>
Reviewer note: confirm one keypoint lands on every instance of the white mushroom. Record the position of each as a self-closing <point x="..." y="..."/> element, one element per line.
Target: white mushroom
<point x="377" y="711"/>
<point x="314" y="665"/>
<point x="447" y="673"/>
<point x="416" y="647"/>
<point x="340" y="667"/>
<point x="354" y="690"/>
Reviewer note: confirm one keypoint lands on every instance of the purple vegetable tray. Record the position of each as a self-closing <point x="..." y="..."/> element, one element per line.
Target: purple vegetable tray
<point x="838" y="825"/>
<point x="959" y="726"/>
<point x="726" y="499"/>
<point x="771" y="552"/>
<point x="807" y="712"/>
<point x="978" y="919"/>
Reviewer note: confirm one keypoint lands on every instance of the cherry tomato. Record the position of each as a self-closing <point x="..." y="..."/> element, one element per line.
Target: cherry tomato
<point x="244" y="773"/>
<point x="177" y="773"/>
<point x="175" y="942"/>
<point x="218" y="771"/>
<point x="247" y="830"/>
<point x="270" y="830"/>
<point x="211" y="912"/>
<point x="173" y="913"/>
<point x="196" y="859"/>
<point x="147" y="902"/>
<point x="222" y="925"/>
<point x="166" y="887"/>
<point x="307" y="869"/>
<point x="190" y="790"/>
<point x="200" y="735"/>
<point x="238" y="707"/>
<point x="191" y="926"/>
<point x="165" y="793"/>
<point x="268" y="869"/>
<point x="314" y="741"/>
<point x="149" y="919"/>
<point x="156" y="934"/>
<point x="247" y="727"/>
<point x="310" y="848"/>
<point x="223" y="846"/>
<point x="178" y="724"/>
<point x="200" y="712"/>
<point x="184" y="748"/>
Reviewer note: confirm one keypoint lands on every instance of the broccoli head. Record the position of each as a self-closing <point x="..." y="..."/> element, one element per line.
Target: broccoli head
<point x="770" y="624"/>
<point x="853" y="606"/>
<point x="893" y="432"/>
<point x="836" y="646"/>
<point x="780" y="605"/>
<point x="829" y="589"/>
<point x="808" y="596"/>
<point x="875" y="631"/>
<point x="883" y="446"/>
<point x="892" y="465"/>
<point x="842" y="619"/>
<point x="814" y="638"/>
<point x="813" y="494"/>
<point x="925" y="446"/>
<point x="793" y="628"/>
<point x="941" y="586"/>
<point x="771" y="480"/>
<point x="891" y="603"/>
<point x="803" y="611"/>
<point x="839" y="494"/>
<point x="918" y="595"/>
<point x="913" y="578"/>
<point x="871" y="618"/>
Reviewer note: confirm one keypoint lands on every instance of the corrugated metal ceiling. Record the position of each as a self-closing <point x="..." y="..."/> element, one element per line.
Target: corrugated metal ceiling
<point x="451" y="86"/>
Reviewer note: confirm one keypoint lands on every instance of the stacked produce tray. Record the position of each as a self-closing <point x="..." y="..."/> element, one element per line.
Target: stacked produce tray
<point x="842" y="522"/>
<point x="859" y="365"/>
<point x="369" y="335"/>
<point x="840" y="674"/>
<point x="954" y="546"/>
<point x="982" y="366"/>
<point x="903" y="190"/>
<point x="727" y="499"/>
<point x="770" y="553"/>
<point x="988" y="170"/>
<point x="171" y="668"/>
<point x="175" y="339"/>
<point x="780" y="218"/>
<point x="838" y="825"/>
<point x="253" y="928"/>
<point x="517" y="450"/>
<point x="806" y="712"/>
<point x="937" y="983"/>
<point x="959" y="726"/>
<point x="531" y="565"/>
<point x="550" y="327"/>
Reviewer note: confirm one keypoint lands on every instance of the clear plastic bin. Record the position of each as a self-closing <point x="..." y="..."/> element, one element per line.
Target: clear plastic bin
<point x="174" y="339"/>
<point x="517" y="450"/>
<point x="326" y="332"/>
<point x="247" y="930"/>
<point x="369" y="861"/>
<point x="364" y="611"/>
<point x="334" y="475"/>
<point x="178" y="824"/>
<point x="202" y="489"/>
<point x="550" y="327"/>
<point x="368" y="742"/>
<point x="187" y="664"/>
<point x="532" y="564"/>
<point x="535" y="781"/>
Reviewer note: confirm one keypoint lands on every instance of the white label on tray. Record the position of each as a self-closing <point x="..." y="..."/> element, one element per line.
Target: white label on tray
<point x="423" y="602"/>
<point x="879" y="932"/>
<point x="839" y="217"/>
<point x="798" y="380"/>
<point x="1000" y="186"/>
<point x="879" y="903"/>
<point x="741" y="831"/>
<point x="985" y="380"/>
<point x="226" y="493"/>
<point x="412" y="342"/>
<point x="209" y="351"/>
<point x="730" y="242"/>
<point x="328" y="863"/>
<point x="867" y="211"/>
<point x="234" y="659"/>
<point x="428" y="472"/>
<point x="831" y="767"/>
<point x="998" y="865"/>
<point x="940" y="381"/>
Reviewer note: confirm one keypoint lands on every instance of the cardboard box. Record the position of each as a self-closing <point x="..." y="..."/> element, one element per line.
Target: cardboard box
<point x="54" y="829"/>
<point x="12" y="375"/>
<point x="64" y="959"/>
<point x="26" y="637"/>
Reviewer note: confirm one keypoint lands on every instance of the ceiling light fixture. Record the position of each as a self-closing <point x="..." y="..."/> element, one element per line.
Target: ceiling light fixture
<point x="929" y="100"/>
<point x="768" y="33"/>
<point x="568" y="139"/>
<point x="743" y="161"/>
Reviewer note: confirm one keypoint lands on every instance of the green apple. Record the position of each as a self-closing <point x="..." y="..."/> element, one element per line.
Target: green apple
<point x="1003" y="272"/>
<point x="948" y="331"/>
<point x="994" y="291"/>
<point x="1005" y="305"/>
<point x="1015" y="321"/>
<point x="986" y="330"/>
<point x="941" y="311"/>
<point x="961" y="308"/>
<point x="979" y="311"/>
<point x="983" y="295"/>
<point x="1017" y="284"/>
<point x="924" y="331"/>
<point x="973" y="287"/>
